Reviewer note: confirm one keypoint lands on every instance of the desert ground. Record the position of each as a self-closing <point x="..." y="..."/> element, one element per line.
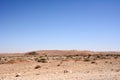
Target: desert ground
<point x="60" y="65"/>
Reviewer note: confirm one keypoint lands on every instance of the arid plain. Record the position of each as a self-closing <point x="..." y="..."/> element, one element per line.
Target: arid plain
<point x="60" y="65"/>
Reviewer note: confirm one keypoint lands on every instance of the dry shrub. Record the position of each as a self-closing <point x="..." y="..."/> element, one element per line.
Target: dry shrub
<point x="93" y="62"/>
<point x="37" y="66"/>
<point x="15" y="61"/>
<point x="41" y="59"/>
<point x="11" y="62"/>
<point x="86" y="59"/>
<point x="32" y="53"/>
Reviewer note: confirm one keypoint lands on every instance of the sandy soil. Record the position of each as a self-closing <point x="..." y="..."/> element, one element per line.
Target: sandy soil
<point x="100" y="69"/>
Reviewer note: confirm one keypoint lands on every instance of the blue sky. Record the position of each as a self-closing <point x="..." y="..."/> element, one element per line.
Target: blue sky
<point x="27" y="25"/>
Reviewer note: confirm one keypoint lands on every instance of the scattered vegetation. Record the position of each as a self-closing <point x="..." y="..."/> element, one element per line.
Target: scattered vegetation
<point x="12" y="60"/>
<point x="44" y="58"/>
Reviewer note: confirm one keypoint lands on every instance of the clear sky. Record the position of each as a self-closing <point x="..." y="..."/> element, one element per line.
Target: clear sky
<point x="27" y="25"/>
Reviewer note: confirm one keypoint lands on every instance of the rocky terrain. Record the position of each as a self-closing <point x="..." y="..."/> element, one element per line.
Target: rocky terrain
<point x="60" y="65"/>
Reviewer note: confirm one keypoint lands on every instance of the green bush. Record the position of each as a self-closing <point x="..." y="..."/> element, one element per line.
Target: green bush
<point x="41" y="59"/>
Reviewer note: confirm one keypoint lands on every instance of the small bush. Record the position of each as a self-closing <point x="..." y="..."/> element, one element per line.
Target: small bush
<point x="32" y="53"/>
<point x="106" y="61"/>
<point x="66" y="71"/>
<point x="117" y="70"/>
<point x="41" y="59"/>
<point x="2" y="62"/>
<point x="18" y="75"/>
<point x="37" y="67"/>
<point x="58" y="65"/>
<point x="86" y="59"/>
<point x="93" y="62"/>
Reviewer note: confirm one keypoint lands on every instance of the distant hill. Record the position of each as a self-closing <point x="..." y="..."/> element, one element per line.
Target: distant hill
<point x="59" y="52"/>
<point x="69" y="52"/>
